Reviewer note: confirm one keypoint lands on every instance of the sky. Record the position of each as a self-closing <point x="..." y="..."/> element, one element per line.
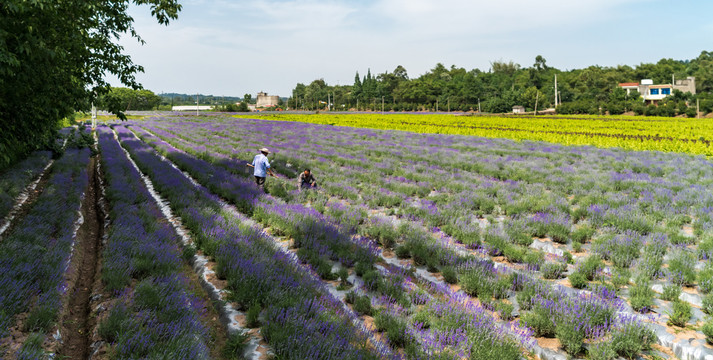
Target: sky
<point x="231" y="48"/>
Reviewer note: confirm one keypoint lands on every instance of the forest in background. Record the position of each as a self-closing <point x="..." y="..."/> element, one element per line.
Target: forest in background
<point x="592" y="90"/>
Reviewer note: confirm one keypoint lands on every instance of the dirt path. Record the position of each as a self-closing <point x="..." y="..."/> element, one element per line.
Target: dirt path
<point x="76" y="324"/>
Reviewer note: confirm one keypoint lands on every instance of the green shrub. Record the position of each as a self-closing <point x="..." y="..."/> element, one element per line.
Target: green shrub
<point x="32" y="348"/>
<point x="41" y="318"/>
<point x="524" y="297"/>
<point x="372" y="280"/>
<point x="681" y="267"/>
<point x="553" y="270"/>
<point x="671" y="292"/>
<point x="540" y="320"/>
<point x="620" y="277"/>
<point x="449" y="275"/>
<point x="578" y="214"/>
<point x="343" y="274"/>
<point x="251" y="316"/>
<point x="505" y="309"/>
<point x="362" y="305"/>
<point x="501" y="287"/>
<point x="571" y="338"/>
<point x="631" y="339"/>
<point x="707" y="330"/>
<point x="680" y="315"/>
<point x="578" y="280"/>
<point x="402" y="252"/>
<point x="394" y="327"/>
<point x="235" y="346"/>
<point x="590" y="266"/>
<point x="641" y="297"/>
<point x="602" y="350"/>
<point x="705" y="279"/>
<point x="362" y="267"/>
<point x="423" y="318"/>
<point x="115" y="324"/>
<point x="474" y="284"/>
<point x="534" y="258"/>
<point x="514" y="254"/>
<point x="707" y="304"/>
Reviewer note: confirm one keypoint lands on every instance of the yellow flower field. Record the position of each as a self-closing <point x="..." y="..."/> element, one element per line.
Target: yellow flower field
<point x="684" y="135"/>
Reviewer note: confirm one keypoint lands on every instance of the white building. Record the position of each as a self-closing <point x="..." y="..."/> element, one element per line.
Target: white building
<point x="264" y="100"/>
<point x="653" y="93"/>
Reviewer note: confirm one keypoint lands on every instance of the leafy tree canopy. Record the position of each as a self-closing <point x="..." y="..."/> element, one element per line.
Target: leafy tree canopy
<point x="53" y="59"/>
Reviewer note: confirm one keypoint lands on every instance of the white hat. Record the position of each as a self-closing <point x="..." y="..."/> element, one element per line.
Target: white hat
<point x="265" y="150"/>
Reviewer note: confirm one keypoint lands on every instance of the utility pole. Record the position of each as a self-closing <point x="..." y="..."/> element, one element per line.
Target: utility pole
<point x="357" y="107"/>
<point x="556" y="94"/>
<point x="382" y="105"/>
<point x="478" y="106"/>
<point x="537" y="98"/>
<point x="436" y="104"/>
<point x="94" y="116"/>
<point x="328" y="103"/>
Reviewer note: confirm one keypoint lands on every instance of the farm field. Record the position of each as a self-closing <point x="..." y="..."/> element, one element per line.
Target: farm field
<point x="414" y="245"/>
<point x="628" y="132"/>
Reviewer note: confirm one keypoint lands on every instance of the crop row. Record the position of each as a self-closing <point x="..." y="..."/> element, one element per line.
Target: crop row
<point x="15" y="179"/>
<point x="153" y="314"/>
<point x="35" y="256"/>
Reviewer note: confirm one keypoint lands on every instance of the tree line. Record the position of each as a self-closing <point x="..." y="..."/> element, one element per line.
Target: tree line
<point x="592" y="90"/>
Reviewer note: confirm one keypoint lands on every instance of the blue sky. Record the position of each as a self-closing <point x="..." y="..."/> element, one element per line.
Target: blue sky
<point x="223" y="47"/>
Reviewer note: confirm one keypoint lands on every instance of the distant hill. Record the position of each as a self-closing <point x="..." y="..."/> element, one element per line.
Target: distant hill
<point x="190" y="99"/>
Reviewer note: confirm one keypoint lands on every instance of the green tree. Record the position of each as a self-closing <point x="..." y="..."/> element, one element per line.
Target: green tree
<point x="53" y="59"/>
<point x="126" y="99"/>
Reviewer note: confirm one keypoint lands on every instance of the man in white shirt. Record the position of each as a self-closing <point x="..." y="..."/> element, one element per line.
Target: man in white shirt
<point x="262" y="168"/>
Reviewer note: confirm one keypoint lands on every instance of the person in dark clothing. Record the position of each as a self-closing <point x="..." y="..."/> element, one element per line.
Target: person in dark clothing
<point x="306" y="180"/>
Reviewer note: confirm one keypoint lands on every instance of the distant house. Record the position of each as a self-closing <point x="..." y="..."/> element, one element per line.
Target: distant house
<point x="264" y="100"/>
<point x="518" y="109"/>
<point x="653" y="93"/>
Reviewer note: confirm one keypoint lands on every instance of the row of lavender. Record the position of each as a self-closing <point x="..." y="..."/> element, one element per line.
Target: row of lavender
<point x="300" y="319"/>
<point x="481" y="277"/>
<point x="14" y="181"/>
<point x="152" y="312"/>
<point x="35" y="256"/>
<point x="318" y="242"/>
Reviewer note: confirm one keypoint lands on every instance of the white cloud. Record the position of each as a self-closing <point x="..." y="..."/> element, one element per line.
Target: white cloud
<point x="229" y="47"/>
<point x="459" y="19"/>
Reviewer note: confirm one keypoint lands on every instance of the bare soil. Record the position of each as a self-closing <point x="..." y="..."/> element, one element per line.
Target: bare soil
<point x="76" y="323"/>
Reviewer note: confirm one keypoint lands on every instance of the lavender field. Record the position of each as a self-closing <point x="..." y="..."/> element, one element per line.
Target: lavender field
<point x="412" y="246"/>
